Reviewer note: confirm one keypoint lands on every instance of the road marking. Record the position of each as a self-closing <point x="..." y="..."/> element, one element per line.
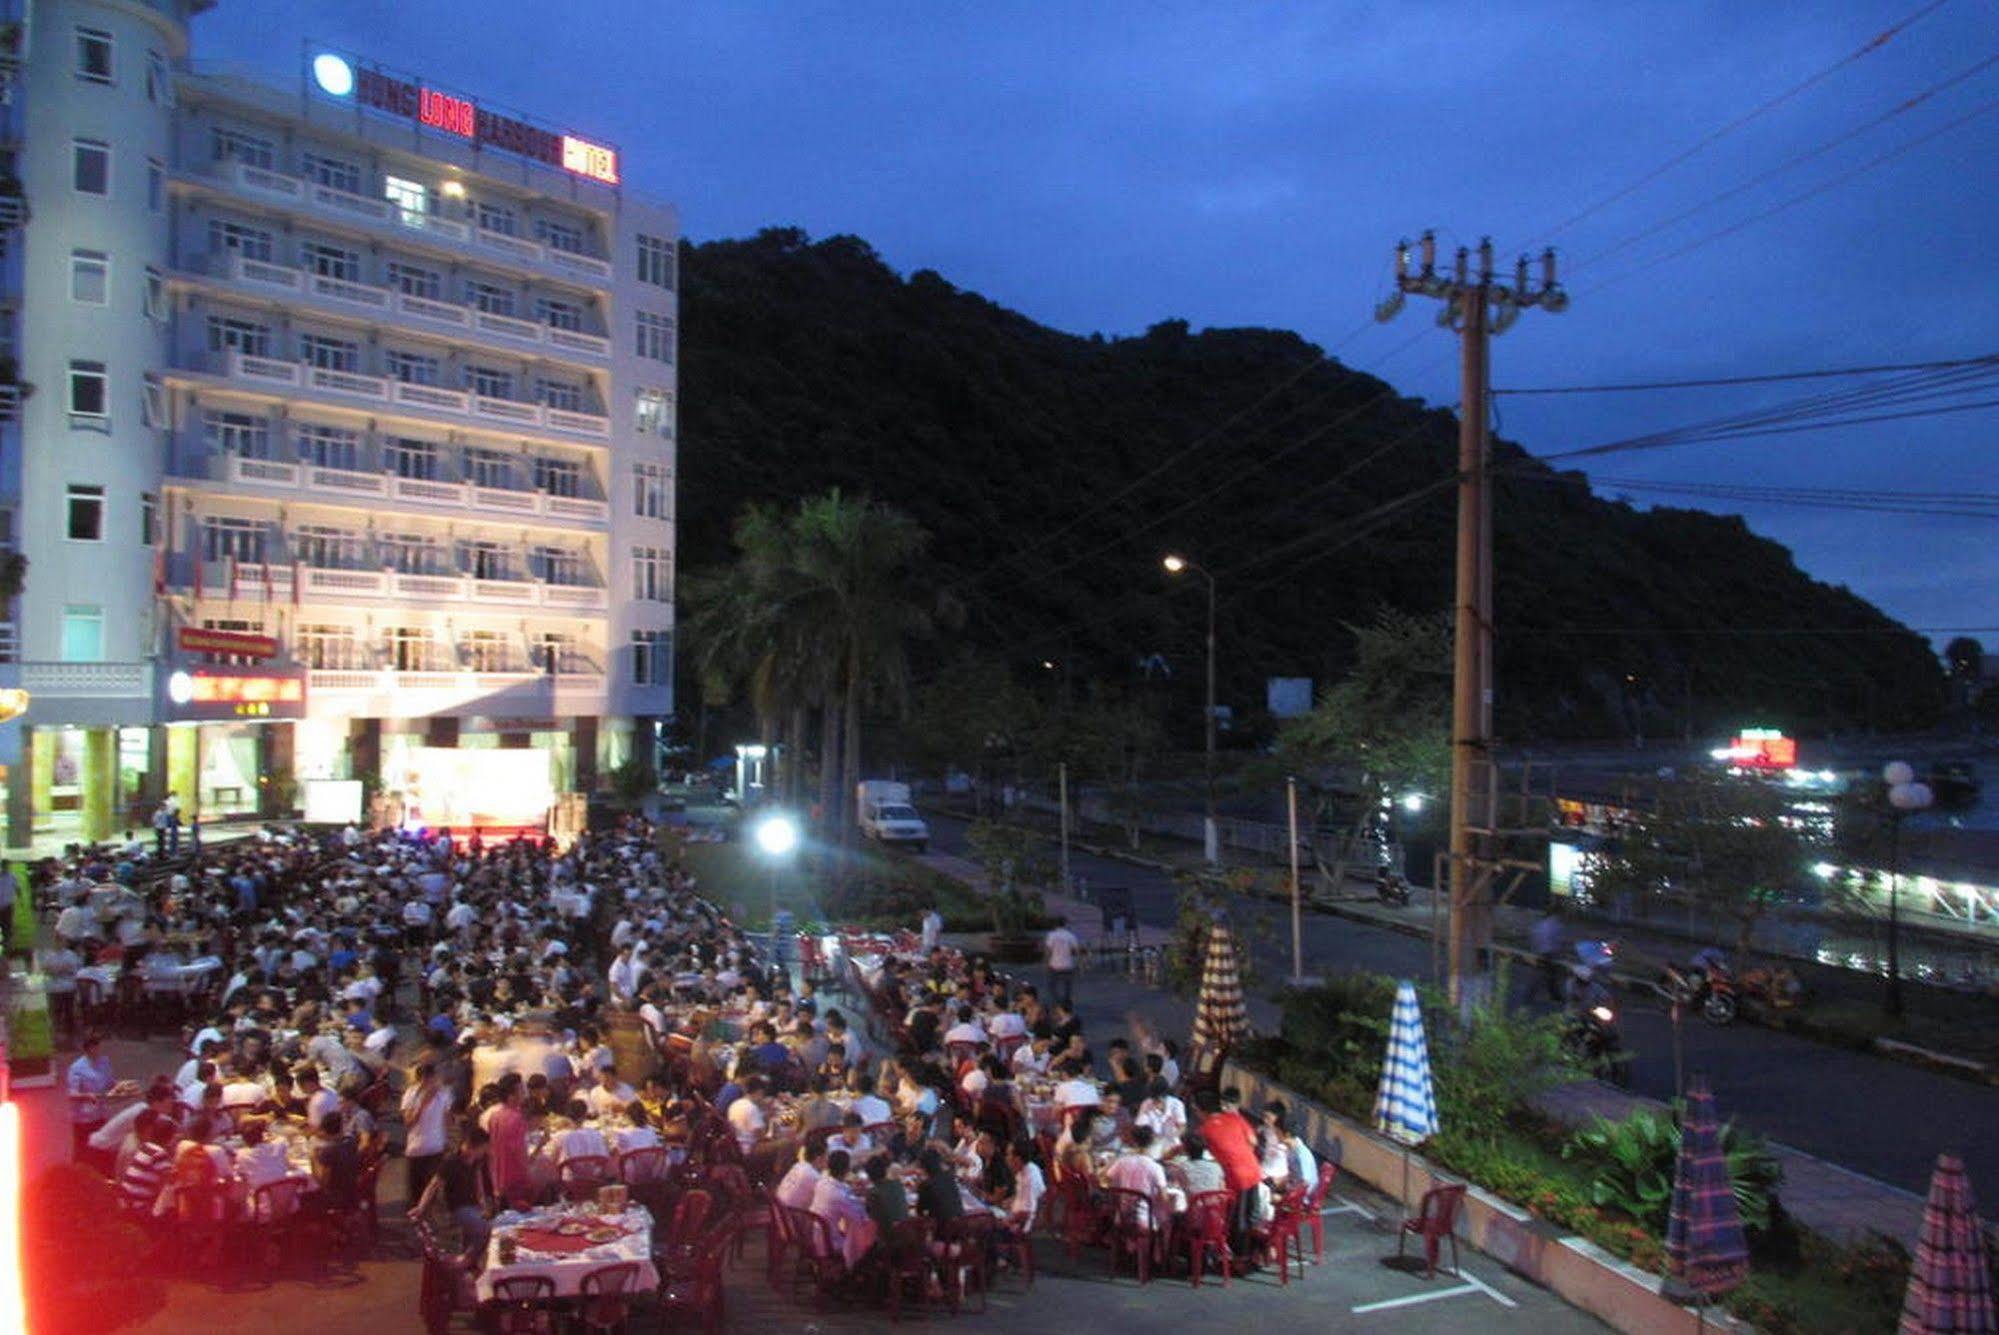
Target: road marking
<point x="1490" y="1292"/>
<point x="1346" y="1206"/>
<point x="1414" y="1298"/>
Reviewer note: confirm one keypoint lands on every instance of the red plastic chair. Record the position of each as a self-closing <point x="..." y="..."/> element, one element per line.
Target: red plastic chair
<point x="640" y="1166"/>
<point x="1433" y="1223"/>
<point x="819" y="1257"/>
<point x="1083" y="1222"/>
<point x="585" y="1173"/>
<point x="605" y="1295"/>
<point x="522" y="1305"/>
<point x="1017" y="1246"/>
<point x="689" y="1215"/>
<point x="697" y="1292"/>
<point x="1007" y="1046"/>
<point x="1315" y="1201"/>
<point x="1278" y="1235"/>
<point x="962" y="1054"/>
<point x="967" y="1258"/>
<point x="1134" y="1229"/>
<point x="908" y="1261"/>
<point x="447" y="1287"/>
<point x="1204" y="1231"/>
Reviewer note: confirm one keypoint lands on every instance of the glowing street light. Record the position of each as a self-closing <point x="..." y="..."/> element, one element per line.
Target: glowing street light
<point x="777" y="835"/>
<point x="1176" y="564"/>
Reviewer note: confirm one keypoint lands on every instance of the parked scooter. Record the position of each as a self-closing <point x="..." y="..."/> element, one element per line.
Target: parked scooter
<point x="1391" y="887"/>
<point x="1708" y="988"/>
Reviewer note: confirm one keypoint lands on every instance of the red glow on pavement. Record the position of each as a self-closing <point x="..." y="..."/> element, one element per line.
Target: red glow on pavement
<point x="13" y="1306"/>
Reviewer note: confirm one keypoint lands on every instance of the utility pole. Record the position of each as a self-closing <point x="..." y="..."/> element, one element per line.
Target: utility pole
<point x="1477" y="309"/>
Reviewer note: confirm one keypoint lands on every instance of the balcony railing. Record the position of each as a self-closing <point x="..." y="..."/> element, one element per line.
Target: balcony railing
<point x="385" y="213"/>
<point x="255" y="370"/>
<point x="426" y="492"/>
<point x="248" y="581"/>
<point x="85" y="679"/>
<point x="10" y="642"/>
<point x="468" y="683"/>
<point x="263" y="273"/>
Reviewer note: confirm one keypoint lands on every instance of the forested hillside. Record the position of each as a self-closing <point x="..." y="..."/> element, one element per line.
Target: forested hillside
<point x="808" y="366"/>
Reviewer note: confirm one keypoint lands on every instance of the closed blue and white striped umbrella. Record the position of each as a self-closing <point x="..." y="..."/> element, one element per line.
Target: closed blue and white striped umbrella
<point x="1406" y="1106"/>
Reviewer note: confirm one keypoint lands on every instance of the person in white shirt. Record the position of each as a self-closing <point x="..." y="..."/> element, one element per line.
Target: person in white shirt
<point x="1139" y="1171"/>
<point x="933" y="930"/>
<point x="746" y="1114"/>
<point x="873" y="1111"/>
<point x="1076" y="1092"/>
<point x="623" y="976"/>
<point x="1005" y="1024"/>
<point x="259" y="1163"/>
<point x="967" y="1030"/>
<point x="845" y="1213"/>
<point x="1165" y="1115"/>
<point x="1271" y="1153"/>
<point x="795" y="1189"/>
<point x="1059" y="947"/>
<point x="426" y="1110"/>
<point x="319" y="1100"/>
<point x="460" y="916"/>
<point x="577" y="1142"/>
<point x="1032" y="1058"/>
<point x="639" y="1135"/>
<point x="1029" y="1186"/>
<point x="608" y="1096"/>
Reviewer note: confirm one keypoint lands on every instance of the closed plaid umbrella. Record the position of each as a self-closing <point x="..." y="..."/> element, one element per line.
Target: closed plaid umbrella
<point x="1706" y="1253"/>
<point x="1220" y="1020"/>
<point x="1405" y="1107"/>
<point x="1950" y="1282"/>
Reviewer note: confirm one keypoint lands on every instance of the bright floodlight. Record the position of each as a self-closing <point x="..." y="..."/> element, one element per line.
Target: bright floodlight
<point x="1412" y="803"/>
<point x="1174" y="564"/>
<point x="333" y="74"/>
<point x="777" y="835"/>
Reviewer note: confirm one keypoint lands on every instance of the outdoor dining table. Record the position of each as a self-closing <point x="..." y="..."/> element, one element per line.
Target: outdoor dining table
<point x="564" y="1243"/>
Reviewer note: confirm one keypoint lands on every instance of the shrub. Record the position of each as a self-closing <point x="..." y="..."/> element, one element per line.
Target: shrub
<point x="1634" y="1163"/>
<point x="1491" y="1069"/>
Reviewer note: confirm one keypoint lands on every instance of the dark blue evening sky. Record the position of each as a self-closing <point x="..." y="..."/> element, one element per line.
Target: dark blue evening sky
<point x="1105" y="166"/>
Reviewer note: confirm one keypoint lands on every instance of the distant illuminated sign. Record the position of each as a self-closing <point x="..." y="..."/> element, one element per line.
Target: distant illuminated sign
<point x="462" y="116"/>
<point x="205" y="694"/>
<point x="1760" y="748"/>
<point x="13" y="703"/>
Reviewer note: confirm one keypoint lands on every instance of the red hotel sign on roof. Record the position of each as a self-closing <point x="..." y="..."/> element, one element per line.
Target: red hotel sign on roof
<point x="373" y="87"/>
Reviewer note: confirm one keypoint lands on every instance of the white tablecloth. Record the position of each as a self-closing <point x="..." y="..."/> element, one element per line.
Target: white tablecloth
<point x="568" y="1269"/>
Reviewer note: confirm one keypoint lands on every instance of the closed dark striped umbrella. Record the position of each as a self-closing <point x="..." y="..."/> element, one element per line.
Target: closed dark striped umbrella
<point x="1220" y="1018"/>
<point x="1950" y="1280"/>
<point x="1706" y="1253"/>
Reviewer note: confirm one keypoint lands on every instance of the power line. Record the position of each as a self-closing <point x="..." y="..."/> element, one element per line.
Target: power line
<point x="1866" y="49"/>
<point x="1794" y="200"/>
<point x="1903" y="107"/>
<point x="1772" y="378"/>
<point x="1779" y="496"/>
<point x="1767" y="630"/>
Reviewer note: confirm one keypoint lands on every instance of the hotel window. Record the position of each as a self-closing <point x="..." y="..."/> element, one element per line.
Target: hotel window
<point x="159" y="88"/>
<point x="329" y="261"/>
<point x="496" y="218"/>
<point x="657" y="261"/>
<point x="489" y="382"/>
<point x="487" y="651"/>
<point x="490" y="297"/>
<point x="650" y="491"/>
<point x="559" y="565"/>
<point x="559" y="394"/>
<point x="239" y="146"/>
<point x="156" y="185"/>
<point x="412" y="554"/>
<point x="153" y="403"/>
<point x="90" y="277"/>
<point x="412" y="368"/>
<point x="329" y="354"/>
<point x="414" y="281"/>
<point x="555" y="652"/>
<point x="329" y="647"/>
<point x="155" y="294"/>
<point x="149" y="518"/>
<point x="252" y="243"/>
<point x="334" y="173"/>
<point x="558" y="314"/>
<point x="229" y="334"/>
<point x="226" y="538"/>
<point x="329" y="447"/>
<point x="652" y="575"/>
<point x="655" y="336"/>
<point x="82" y="633"/>
<point x="93" y="55"/>
<point x="89" y="392"/>
<point x="487" y="559"/>
<point x="411" y="199"/>
<point x="559" y="236"/>
<point x="90" y="167"/>
<point x="489" y="468"/>
<point x="558" y="477"/>
<point x="239" y="434"/>
<point x="86" y="513"/>
<point x="412" y="649"/>
<point x="414" y="459"/>
<point x="653" y="413"/>
<point x="652" y="657"/>
<point x="330" y="548"/>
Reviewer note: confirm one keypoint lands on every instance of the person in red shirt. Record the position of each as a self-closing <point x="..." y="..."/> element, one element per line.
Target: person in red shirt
<point x="507" y="1159"/>
<point x="1232" y="1142"/>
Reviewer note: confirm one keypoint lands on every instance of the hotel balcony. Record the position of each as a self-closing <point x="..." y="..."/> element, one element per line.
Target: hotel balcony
<point x="377" y="490"/>
<point x="354" y="389"/>
<point x="256" y="582"/>
<point x="389" y="693"/>
<point x="338" y="296"/>
<point x="452" y="237"/>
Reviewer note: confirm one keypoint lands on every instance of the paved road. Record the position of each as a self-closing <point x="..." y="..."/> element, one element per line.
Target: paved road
<point x="1875" y="1116"/>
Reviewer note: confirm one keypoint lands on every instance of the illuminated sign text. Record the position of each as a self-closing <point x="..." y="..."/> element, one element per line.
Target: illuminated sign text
<point x="465" y="118"/>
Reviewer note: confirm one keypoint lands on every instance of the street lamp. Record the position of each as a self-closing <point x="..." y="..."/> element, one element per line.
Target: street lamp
<point x="1905" y="798"/>
<point x="776" y="835"/>
<point x="1211" y="843"/>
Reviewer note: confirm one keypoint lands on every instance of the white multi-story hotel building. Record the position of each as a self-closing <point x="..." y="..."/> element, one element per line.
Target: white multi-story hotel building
<point x="338" y="423"/>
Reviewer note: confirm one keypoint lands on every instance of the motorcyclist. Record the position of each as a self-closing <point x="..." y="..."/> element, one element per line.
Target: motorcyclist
<point x="1586" y="986"/>
<point x="1546" y="939"/>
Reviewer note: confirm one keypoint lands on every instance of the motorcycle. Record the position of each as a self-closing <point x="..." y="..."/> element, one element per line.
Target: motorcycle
<point x="1591" y="1038"/>
<point x="1710" y="991"/>
<point x="1778" y="988"/>
<point x="1391" y="888"/>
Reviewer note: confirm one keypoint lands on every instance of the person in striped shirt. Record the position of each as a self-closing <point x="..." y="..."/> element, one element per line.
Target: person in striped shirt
<point x="146" y="1171"/>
